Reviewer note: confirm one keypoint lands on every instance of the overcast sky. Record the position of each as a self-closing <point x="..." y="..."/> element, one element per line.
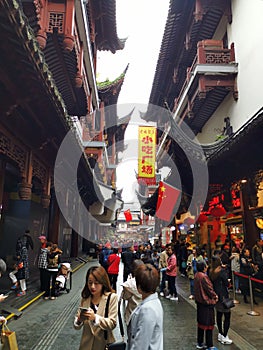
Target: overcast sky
<point x="142" y="22"/>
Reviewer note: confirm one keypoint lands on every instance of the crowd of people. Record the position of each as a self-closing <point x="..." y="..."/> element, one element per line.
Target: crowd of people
<point x="48" y="261"/>
<point x="210" y="280"/>
<point x="148" y="270"/>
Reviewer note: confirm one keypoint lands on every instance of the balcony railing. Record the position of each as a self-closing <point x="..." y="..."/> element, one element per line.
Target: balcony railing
<point x="211" y="61"/>
<point x="214" y="66"/>
<point x="212" y="52"/>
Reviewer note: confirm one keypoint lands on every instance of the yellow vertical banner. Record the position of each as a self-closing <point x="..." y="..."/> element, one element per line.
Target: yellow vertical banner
<point x="146" y="154"/>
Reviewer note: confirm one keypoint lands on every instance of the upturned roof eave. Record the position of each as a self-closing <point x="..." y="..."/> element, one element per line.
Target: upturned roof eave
<point x="104" y="13"/>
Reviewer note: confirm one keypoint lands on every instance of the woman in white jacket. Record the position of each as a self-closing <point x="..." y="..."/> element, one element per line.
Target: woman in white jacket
<point x="145" y="330"/>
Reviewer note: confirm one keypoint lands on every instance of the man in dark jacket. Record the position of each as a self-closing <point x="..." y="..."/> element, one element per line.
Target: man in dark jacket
<point x="256" y="254"/>
<point x="127" y="258"/>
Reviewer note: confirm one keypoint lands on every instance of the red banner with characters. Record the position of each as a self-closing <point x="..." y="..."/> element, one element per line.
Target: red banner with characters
<point x="147" y="154"/>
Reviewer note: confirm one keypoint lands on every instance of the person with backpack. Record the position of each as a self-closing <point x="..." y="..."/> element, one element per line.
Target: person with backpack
<point x="104" y="254"/>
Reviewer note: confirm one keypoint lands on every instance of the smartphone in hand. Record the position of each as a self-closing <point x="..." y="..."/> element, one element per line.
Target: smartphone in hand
<point x="83" y="309"/>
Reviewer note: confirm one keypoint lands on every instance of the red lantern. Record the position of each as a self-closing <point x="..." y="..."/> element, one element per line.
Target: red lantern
<point x="217" y="212"/>
<point x="202" y="218"/>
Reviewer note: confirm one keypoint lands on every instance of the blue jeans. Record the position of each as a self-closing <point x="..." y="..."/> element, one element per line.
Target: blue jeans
<point x="236" y="278"/>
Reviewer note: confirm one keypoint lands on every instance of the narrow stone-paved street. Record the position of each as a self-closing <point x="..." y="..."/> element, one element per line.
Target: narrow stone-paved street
<point x="55" y="318"/>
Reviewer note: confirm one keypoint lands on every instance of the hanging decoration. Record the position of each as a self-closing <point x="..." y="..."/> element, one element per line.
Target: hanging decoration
<point x="202" y="218"/>
<point x="167" y="199"/>
<point x="128" y="215"/>
<point x="217" y="211"/>
<point x="146" y="155"/>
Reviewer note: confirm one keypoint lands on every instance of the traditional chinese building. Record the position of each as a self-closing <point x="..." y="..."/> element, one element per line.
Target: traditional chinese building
<point x="47" y="84"/>
<point x="203" y="78"/>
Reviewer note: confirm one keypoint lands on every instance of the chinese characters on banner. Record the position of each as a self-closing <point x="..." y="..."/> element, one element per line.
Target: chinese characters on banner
<point x="146" y="154"/>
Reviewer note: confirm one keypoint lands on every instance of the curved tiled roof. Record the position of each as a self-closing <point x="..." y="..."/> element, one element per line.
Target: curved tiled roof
<point x="109" y="90"/>
<point x="175" y="56"/>
<point x="109" y="94"/>
<point x="30" y="94"/>
<point x="173" y="40"/>
<point x="104" y="14"/>
<point x="63" y="66"/>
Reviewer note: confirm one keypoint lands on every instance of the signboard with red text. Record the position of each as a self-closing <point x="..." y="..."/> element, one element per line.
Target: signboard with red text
<point x="146" y="154"/>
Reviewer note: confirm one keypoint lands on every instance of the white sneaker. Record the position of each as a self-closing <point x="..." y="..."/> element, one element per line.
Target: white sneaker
<point x="174" y="298"/>
<point x="161" y="294"/>
<point x="219" y="337"/>
<point x="191" y="297"/>
<point x="168" y="296"/>
<point x="226" y="340"/>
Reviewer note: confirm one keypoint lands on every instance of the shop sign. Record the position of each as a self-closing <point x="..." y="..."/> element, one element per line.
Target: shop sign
<point x="147" y="154"/>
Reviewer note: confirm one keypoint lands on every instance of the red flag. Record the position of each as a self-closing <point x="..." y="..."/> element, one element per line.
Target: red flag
<point x="128" y="215"/>
<point x="167" y="198"/>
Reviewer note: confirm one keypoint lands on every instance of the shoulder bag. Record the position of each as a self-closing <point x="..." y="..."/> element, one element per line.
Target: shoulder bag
<point x="120" y="345"/>
<point x="228" y="303"/>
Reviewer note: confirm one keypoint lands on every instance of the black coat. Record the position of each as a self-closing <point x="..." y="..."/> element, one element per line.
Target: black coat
<point x="220" y="284"/>
<point x="128" y="258"/>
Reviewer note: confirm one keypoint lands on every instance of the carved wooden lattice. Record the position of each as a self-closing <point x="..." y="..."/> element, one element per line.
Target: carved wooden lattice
<point x="39" y="171"/>
<point x="56" y="20"/>
<point x="13" y="151"/>
<point x="218" y="57"/>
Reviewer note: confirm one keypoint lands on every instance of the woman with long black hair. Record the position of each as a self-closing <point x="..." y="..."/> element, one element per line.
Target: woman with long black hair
<point x="219" y="277"/>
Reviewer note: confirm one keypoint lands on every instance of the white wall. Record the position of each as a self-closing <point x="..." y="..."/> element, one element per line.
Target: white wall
<point x="246" y="32"/>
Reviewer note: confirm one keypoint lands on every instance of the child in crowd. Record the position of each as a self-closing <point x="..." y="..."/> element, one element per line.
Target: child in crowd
<point x="12" y="275"/>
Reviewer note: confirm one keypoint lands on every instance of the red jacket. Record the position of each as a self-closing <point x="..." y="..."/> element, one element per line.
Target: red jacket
<point x="113" y="264"/>
<point x="204" y="291"/>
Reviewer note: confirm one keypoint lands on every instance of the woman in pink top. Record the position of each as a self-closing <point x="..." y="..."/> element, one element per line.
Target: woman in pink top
<point x="171" y="273"/>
